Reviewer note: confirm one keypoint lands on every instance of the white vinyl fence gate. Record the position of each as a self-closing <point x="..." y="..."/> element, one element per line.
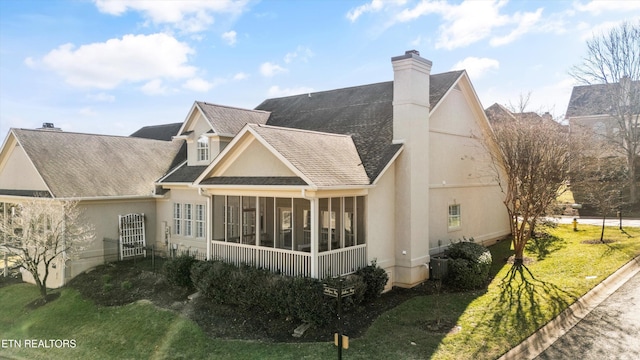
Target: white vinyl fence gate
<point x="132" y="235"/>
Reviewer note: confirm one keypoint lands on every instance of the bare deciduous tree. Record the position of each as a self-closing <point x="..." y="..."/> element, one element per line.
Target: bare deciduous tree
<point x="40" y="231"/>
<point x="613" y="59"/>
<point x="531" y="159"/>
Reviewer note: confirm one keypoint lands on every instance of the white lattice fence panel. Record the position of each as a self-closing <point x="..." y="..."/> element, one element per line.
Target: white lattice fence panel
<point x="132" y="235"/>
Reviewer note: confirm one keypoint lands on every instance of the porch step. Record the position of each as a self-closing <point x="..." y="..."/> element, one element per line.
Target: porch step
<point x="299" y="331"/>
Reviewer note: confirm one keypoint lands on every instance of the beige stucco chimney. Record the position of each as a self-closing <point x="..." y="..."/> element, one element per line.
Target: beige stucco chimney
<point x="411" y="127"/>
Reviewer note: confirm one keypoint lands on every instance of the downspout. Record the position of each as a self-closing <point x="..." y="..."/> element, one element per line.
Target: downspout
<point x="207" y="222"/>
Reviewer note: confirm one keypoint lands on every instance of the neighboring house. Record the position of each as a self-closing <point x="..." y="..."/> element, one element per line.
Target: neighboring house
<point x="496" y="113"/>
<point x="605" y="109"/>
<point x="321" y="184"/>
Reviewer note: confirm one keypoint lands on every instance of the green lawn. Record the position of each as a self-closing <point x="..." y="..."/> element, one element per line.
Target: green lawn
<point x="489" y="321"/>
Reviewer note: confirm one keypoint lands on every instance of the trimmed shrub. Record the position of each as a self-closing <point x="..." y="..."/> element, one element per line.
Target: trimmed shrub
<point x="263" y="292"/>
<point x="374" y="278"/>
<point x="469" y="265"/>
<point x="177" y="271"/>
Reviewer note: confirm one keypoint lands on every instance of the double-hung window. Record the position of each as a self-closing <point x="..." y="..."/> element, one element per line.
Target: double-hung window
<point x="203" y="148"/>
<point x="200" y="226"/>
<point x="188" y="220"/>
<point x="454" y="222"/>
<point x="177" y="218"/>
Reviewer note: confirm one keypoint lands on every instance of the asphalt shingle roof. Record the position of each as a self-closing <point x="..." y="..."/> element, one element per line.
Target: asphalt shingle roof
<point x="587" y="100"/>
<point x="164" y="132"/>
<point x="88" y="165"/>
<point x="325" y="159"/>
<point x="184" y="174"/>
<point x="363" y="112"/>
<point x="254" y="180"/>
<point x="228" y="121"/>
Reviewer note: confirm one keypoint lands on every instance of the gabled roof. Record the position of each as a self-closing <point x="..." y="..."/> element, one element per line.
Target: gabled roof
<point x="324" y="159"/>
<point x="314" y="158"/>
<point x="88" y="165"/>
<point x="363" y="112"/>
<point x="226" y="120"/>
<point x="590" y="100"/>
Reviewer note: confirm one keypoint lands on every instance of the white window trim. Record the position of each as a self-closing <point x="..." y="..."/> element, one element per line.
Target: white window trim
<point x="188" y="220"/>
<point x="177" y="218"/>
<point x="200" y="225"/>
<point x="450" y="216"/>
<point x="202" y="149"/>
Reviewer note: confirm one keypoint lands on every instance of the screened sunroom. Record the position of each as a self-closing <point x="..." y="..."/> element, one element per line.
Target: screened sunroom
<point x="314" y="237"/>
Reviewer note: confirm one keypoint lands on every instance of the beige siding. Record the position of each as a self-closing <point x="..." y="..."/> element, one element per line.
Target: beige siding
<point x="380" y="205"/>
<point x="461" y="174"/>
<point x="256" y="160"/>
<point x="164" y="226"/>
<point x="19" y="173"/>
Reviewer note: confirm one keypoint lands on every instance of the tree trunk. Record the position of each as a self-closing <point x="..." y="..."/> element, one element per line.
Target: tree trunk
<point x="633" y="189"/>
<point x="604" y="217"/>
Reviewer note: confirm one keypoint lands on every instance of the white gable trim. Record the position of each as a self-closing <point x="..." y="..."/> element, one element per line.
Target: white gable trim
<point x="4" y="157"/>
<point x="388" y="165"/>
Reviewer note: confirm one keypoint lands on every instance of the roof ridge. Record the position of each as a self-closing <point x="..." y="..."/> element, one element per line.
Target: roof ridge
<point x="299" y="130"/>
<point x="86" y="134"/>
<point x="232" y="107"/>
<point x="354" y="86"/>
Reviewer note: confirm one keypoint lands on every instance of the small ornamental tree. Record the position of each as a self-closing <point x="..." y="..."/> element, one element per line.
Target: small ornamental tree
<point x="41" y="231"/>
<point x="532" y="159"/>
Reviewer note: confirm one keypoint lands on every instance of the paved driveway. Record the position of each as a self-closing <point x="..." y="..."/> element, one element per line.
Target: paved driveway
<point x="610" y="331"/>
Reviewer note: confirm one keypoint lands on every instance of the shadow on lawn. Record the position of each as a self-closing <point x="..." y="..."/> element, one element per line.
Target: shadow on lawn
<point x="524" y="303"/>
<point x="521" y="290"/>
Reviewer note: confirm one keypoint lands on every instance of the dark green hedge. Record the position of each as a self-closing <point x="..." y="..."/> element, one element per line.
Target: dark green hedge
<point x="468" y="266"/>
<point x="300" y="298"/>
<point x="177" y="271"/>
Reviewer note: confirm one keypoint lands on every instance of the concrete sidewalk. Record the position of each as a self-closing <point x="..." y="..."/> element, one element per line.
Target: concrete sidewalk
<point x="597" y="221"/>
<point x="534" y="345"/>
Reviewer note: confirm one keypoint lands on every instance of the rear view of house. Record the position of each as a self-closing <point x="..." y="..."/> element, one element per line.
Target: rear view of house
<point x="321" y="184"/>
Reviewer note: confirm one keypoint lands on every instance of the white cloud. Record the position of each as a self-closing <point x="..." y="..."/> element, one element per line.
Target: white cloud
<point x="589" y="31"/>
<point x="373" y="6"/>
<point x="87" y="111"/>
<point x="526" y="22"/>
<point x="134" y="58"/>
<point x="476" y="67"/>
<point x="154" y="87"/>
<point x="30" y="62"/>
<point x="230" y="37"/>
<point x="301" y="53"/>
<point x="240" y="76"/>
<point x="270" y="69"/>
<point x="188" y="16"/>
<point x="198" y="84"/>
<point x="101" y="97"/>
<point x="471" y="21"/>
<point x="597" y="7"/>
<point x="276" y="91"/>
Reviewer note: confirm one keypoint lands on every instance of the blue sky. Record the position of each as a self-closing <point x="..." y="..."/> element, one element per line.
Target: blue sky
<point x="111" y="67"/>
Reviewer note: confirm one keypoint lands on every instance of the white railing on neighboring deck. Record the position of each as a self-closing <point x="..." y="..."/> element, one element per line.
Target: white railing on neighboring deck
<point x="342" y="261"/>
<point x="292" y="263"/>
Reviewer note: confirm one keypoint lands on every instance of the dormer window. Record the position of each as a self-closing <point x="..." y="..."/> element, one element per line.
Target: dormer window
<point x="203" y="148"/>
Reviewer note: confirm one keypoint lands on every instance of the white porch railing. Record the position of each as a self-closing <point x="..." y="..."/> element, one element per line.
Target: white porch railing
<point x="342" y="261"/>
<point x="291" y="263"/>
